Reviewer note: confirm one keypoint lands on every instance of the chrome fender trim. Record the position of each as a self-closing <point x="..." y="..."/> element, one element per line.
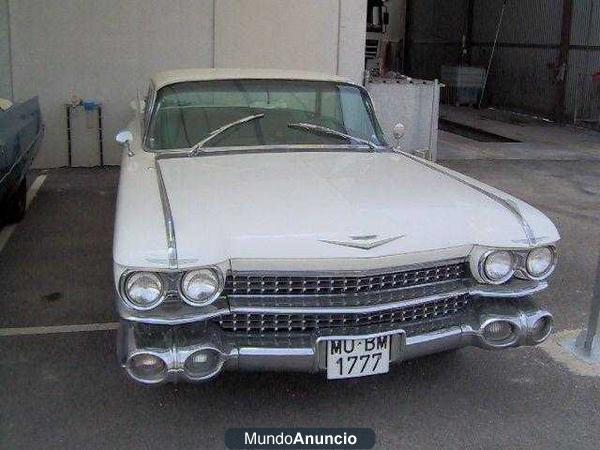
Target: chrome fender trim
<point x="508" y="204"/>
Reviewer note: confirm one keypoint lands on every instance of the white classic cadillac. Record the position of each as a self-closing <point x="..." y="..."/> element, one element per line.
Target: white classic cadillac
<point x="264" y="223"/>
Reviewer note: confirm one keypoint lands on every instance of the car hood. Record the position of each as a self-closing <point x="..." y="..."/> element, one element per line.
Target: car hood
<point x="349" y="204"/>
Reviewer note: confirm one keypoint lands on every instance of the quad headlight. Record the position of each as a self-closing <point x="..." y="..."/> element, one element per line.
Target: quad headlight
<point x="200" y="287"/>
<point x="497" y="266"/>
<point x="540" y="262"/>
<point x="144" y="290"/>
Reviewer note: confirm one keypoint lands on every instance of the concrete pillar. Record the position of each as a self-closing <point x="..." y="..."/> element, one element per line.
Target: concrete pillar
<point x="5" y="60"/>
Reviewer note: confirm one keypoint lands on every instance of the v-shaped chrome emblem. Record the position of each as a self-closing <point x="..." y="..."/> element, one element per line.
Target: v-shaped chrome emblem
<point x="366" y="242"/>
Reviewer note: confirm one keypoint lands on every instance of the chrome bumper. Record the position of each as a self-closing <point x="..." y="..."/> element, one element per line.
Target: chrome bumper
<point x="174" y="344"/>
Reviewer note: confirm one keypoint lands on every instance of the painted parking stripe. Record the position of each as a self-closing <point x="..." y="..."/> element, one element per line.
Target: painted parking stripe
<point x="33" y="331"/>
<point x="33" y="189"/>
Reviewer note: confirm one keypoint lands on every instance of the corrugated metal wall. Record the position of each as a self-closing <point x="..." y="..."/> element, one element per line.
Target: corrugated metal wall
<point x="434" y="29"/>
<point x="583" y="96"/>
<point x="525" y="68"/>
<point x="523" y="71"/>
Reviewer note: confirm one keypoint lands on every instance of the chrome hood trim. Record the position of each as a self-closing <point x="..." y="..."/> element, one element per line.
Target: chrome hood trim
<point x="168" y="216"/>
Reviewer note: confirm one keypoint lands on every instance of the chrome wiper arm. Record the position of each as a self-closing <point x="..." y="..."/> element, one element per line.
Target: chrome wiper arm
<point x="213" y="134"/>
<point x="311" y="127"/>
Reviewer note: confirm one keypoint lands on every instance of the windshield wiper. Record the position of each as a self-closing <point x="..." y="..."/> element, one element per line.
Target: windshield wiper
<point x="213" y="134"/>
<point x="318" y="129"/>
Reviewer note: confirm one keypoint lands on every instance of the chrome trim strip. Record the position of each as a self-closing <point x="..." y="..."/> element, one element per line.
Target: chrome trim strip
<point x="185" y="314"/>
<point x="300" y="297"/>
<point x="508" y="204"/>
<point x="257" y="149"/>
<point x="149" y="111"/>
<point x="514" y="289"/>
<point x="481" y="291"/>
<point x="269" y="351"/>
<point x="168" y="216"/>
<point x="352" y="273"/>
<point x="346" y="309"/>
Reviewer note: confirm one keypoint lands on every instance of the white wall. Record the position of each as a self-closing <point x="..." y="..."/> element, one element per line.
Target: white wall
<point x="353" y="34"/>
<point x="100" y="49"/>
<point x="105" y="49"/>
<point x="321" y="35"/>
<point x="300" y="35"/>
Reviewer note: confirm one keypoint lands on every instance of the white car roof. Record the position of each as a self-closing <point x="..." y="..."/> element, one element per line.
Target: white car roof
<point x="177" y="76"/>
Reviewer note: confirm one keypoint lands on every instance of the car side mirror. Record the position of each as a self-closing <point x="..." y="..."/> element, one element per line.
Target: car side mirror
<point x="124" y="138"/>
<point x="398" y="132"/>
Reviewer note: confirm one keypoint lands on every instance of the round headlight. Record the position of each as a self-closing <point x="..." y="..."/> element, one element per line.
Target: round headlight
<point x="540" y="262"/>
<point x="203" y="363"/>
<point x="200" y="287"/>
<point x="147" y="367"/>
<point x="498" y="331"/>
<point x="541" y="329"/>
<point x="498" y="266"/>
<point x="144" y="290"/>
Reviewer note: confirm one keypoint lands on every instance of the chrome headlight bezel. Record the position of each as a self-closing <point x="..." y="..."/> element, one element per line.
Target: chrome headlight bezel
<point x="219" y="283"/>
<point x="480" y="255"/>
<point x="548" y="271"/>
<point x="125" y="294"/>
<point x="485" y="258"/>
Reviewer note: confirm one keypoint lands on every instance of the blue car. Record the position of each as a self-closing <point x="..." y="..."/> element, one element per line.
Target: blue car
<point x="21" y="131"/>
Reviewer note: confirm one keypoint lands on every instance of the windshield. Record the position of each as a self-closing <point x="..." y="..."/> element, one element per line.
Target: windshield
<point x="186" y="113"/>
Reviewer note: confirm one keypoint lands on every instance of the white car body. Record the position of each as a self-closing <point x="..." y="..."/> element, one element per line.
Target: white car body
<point x="301" y="211"/>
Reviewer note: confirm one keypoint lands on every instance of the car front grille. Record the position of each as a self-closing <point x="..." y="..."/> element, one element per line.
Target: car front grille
<point x="260" y="324"/>
<point x="282" y="284"/>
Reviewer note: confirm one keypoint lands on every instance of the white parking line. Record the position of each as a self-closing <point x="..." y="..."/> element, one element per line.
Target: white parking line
<point x="33" y="189"/>
<point x="32" y="331"/>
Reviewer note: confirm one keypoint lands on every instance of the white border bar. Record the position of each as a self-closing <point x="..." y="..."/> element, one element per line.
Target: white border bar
<point x="59" y="329"/>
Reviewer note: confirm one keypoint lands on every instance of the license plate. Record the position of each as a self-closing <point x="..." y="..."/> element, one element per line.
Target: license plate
<point x="358" y="357"/>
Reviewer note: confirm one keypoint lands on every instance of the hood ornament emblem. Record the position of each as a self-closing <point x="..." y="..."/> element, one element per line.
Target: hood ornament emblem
<point x="366" y="242"/>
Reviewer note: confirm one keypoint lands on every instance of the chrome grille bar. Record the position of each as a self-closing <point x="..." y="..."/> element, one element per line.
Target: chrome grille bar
<point x="291" y="284"/>
<point x="256" y="323"/>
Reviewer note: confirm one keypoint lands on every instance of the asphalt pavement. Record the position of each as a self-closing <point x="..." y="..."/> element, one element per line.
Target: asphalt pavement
<point x="65" y="390"/>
